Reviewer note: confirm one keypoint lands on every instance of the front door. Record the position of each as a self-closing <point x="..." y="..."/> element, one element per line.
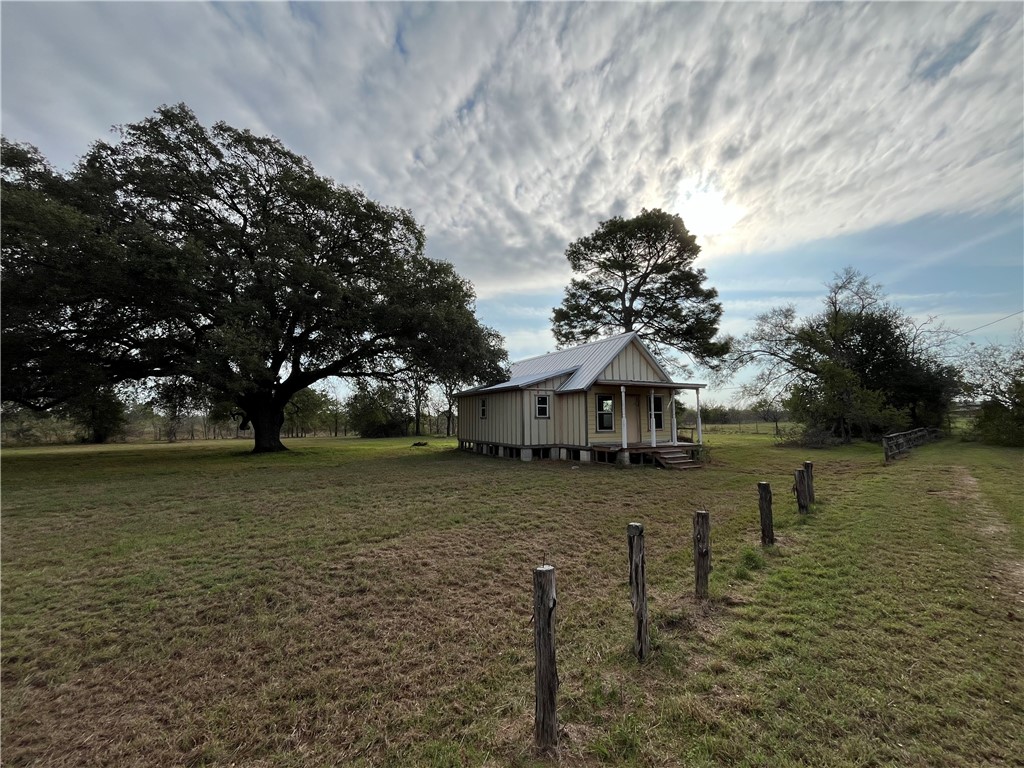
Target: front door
<point x="633" y="426"/>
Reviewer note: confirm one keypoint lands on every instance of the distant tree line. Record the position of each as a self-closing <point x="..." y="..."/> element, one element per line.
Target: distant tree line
<point x="715" y="413"/>
<point x="372" y="410"/>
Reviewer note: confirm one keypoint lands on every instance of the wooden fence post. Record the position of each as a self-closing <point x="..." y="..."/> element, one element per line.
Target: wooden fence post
<point x="800" y="488"/>
<point x="809" y="472"/>
<point x="638" y="590"/>
<point x="702" y="551"/>
<point x="545" y="731"/>
<point x="764" y="503"/>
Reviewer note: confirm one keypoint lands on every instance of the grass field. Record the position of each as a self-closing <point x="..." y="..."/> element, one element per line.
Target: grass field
<point x="368" y="603"/>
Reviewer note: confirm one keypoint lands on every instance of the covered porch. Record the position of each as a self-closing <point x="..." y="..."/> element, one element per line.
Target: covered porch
<point x="632" y="432"/>
<point x="641" y="435"/>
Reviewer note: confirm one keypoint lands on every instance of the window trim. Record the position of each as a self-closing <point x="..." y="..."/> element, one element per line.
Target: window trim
<point x="546" y="405"/>
<point x="483" y="407"/>
<point x="659" y="412"/>
<point x="599" y="412"/>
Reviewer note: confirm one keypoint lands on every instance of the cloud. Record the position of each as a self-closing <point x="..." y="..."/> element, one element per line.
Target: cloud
<point x="944" y="254"/>
<point x="948" y="296"/>
<point x="522" y="344"/>
<point x="728" y="283"/>
<point x="931" y="65"/>
<point x="739" y="314"/>
<point x="511" y="129"/>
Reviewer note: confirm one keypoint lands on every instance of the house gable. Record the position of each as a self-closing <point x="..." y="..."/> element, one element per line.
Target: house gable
<point x="634" y="363"/>
<point x="621" y="359"/>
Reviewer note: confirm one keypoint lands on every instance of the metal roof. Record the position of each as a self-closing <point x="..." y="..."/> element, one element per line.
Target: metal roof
<point x="582" y="361"/>
<point x="585" y="362"/>
<point x="524" y="380"/>
<point x="594" y="358"/>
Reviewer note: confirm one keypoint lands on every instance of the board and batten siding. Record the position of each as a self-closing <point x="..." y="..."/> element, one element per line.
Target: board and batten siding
<point x="631" y="364"/>
<point x="504" y="422"/>
<point x="615" y="436"/>
<point x="538" y="431"/>
<point x="542" y="431"/>
<point x="571" y="419"/>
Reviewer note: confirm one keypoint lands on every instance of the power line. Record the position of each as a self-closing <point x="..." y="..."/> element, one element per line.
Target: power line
<point x="986" y="325"/>
<point x="960" y="333"/>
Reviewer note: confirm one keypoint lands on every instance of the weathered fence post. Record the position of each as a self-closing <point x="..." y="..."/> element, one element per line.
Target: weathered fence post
<point x="545" y="731"/>
<point x="809" y="472"/>
<point x="702" y="551"/>
<point x="638" y="590"/>
<point x="764" y="503"/>
<point x="800" y="488"/>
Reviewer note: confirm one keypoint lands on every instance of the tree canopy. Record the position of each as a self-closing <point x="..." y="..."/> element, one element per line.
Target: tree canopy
<point x="859" y="367"/>
<point x="220" y="256"/>
<point x="994" y="376"/>
<point x="378" y="410"/>
<point x="638" y="275"/>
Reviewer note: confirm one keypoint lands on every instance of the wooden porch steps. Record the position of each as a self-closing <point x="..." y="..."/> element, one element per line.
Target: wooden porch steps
<point x="673" y="458"/>
<point x="680" y="456"/>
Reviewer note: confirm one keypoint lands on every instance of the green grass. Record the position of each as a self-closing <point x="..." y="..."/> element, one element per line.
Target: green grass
<point x="368" y="603"/>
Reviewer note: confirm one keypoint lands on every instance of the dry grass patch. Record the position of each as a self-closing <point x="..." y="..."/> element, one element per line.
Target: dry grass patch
<point x="361" y="602"/>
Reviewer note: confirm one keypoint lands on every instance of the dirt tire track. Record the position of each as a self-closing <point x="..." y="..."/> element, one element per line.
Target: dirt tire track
<point x="1008" y="573"/>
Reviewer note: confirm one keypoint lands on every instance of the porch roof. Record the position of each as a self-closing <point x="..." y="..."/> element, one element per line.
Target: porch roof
<point x="650" y="384"/>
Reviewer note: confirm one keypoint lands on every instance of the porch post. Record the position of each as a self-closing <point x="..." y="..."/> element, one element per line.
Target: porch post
<point x="650" y="420"/>
<point x="623" y="391"/>
<point x="675" y="429"/>
<point x="700" y="427"/>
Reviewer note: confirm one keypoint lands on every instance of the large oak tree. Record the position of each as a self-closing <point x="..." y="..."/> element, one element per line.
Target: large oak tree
<point x="220" y="256"/>
<point x="638" y="275"/>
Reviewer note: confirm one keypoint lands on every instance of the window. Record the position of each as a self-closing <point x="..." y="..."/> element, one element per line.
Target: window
<point x="658" y="422"/>
<point x="541" y="410"/>
<point x="483" y="407"/>
<point x="605" y="413"/>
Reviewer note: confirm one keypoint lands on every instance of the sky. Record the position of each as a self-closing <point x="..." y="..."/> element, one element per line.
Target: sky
<point x="793" y="139"/>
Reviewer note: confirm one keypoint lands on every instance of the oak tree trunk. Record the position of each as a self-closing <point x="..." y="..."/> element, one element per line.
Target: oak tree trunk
<point x="764" y="503"/>
<point x="266" y="418"/>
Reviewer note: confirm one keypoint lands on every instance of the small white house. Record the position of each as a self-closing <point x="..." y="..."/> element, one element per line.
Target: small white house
<point x="608" y="401"/>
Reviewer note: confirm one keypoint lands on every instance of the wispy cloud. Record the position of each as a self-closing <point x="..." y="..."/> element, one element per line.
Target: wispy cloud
<point x="932" y="260"/>
<point x="511" y="129"/>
